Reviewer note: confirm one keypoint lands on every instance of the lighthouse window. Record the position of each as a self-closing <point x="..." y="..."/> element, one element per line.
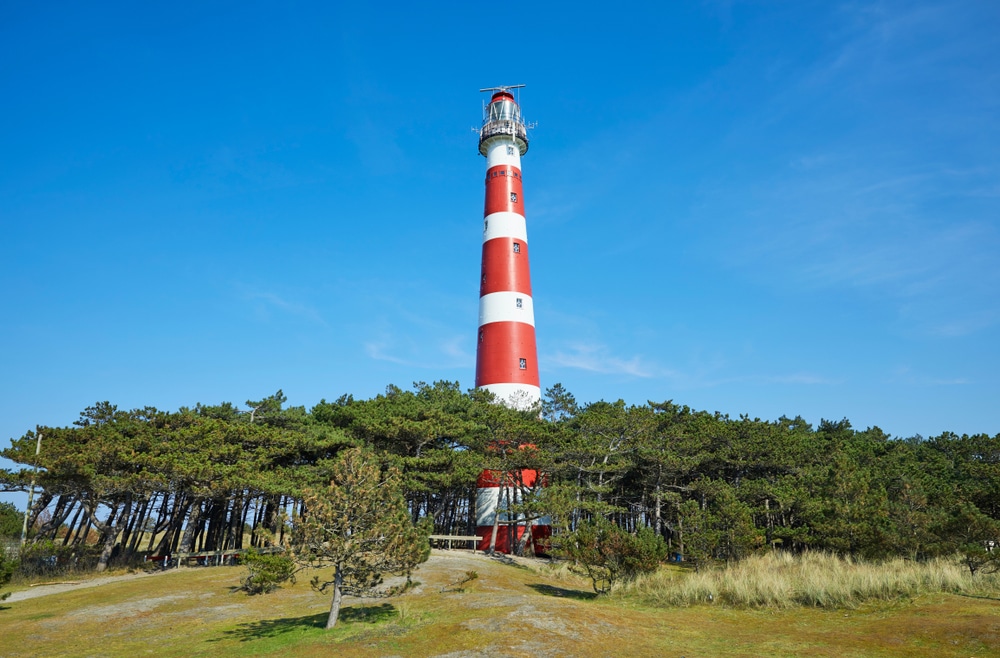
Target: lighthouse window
<point x="510" y="150"/>
<point x="482" y="335"/>
<point x="523" y="364"/>
<point x="517" y="247"/>
<point x="520" y="302"/>
<point x="513" y="197"/>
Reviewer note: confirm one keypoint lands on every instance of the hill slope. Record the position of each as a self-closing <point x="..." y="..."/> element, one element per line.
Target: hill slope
<point x="511" y="609"/>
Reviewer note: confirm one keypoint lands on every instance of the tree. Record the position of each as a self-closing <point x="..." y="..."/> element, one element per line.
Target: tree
<point x="10" y="520"/>
<point x="976" y="537"/>
<point x="359" y="525"/>
<point x="606" y="554"/>
<point x="265" y="572"/>
<point x="7" y="568"/>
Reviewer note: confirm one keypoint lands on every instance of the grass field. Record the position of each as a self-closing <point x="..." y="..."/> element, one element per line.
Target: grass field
<point x="509" y="610"/>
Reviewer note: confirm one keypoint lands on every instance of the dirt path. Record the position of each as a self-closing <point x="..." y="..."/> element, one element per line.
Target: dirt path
<point x="61" y="587"/>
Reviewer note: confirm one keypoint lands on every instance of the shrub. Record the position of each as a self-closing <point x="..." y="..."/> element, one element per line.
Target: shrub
<point x="7" y="568"/>
<point x="265" y="572"/>
<point x="10" y="520"/>
<point x="607" y="554"/>
<point x="49" y="558"/>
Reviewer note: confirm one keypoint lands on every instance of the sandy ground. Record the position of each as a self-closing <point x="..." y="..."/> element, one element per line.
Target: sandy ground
<point x="43" y="589"/>
<point x="439" y="562"/>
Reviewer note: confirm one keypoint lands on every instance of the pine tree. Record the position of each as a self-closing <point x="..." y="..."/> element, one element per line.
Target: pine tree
<point x="359" y="525"/>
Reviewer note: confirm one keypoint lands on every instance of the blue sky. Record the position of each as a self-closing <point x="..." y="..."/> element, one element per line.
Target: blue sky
<point x="763" y="208"/>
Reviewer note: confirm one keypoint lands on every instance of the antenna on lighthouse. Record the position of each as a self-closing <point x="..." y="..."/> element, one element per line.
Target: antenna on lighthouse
<point x="502" y="88"/>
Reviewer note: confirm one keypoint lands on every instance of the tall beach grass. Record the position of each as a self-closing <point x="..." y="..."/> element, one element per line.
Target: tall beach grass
<point x="783" y="580"/>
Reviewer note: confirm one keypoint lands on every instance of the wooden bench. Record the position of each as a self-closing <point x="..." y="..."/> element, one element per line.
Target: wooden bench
<point x="459" y="538"/>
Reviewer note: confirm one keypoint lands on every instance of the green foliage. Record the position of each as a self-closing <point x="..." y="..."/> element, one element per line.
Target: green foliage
<point x="715" y="488"/>
<point x="49" y="558"/>
<point x="11" y="520"/>
<point x="265" y="572"/>
<point x="607" y="554"/>
<point x="976" y="536"/>
<point x="8" y="566"/>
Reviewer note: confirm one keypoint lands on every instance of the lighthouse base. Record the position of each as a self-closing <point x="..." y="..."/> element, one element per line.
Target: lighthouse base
<point x="509" y="537"/>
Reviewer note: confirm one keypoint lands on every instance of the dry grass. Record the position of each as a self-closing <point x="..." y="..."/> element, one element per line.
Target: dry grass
<point x="782" y="580"/>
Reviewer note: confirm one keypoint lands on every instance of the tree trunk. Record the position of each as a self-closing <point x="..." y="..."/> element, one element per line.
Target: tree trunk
<point x="139" y="525"/>
<point x="160" y="519"/>
<point x="174" y="520"/>
<point x="192" y="526"/>
<point x="680" y="535"/>
<point x="338" y="582"/>
<point x="659" y="514"/>
<point x="72" y="526"/>
<point x="108" y="535"/>
<point x="50" y="528"/>
<point x="496" y="526"/>
<point x="82" y="532"/>
<point x="38" y="507"/>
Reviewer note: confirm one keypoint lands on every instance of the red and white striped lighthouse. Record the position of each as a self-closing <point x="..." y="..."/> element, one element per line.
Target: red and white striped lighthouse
<point x="506" y="357"/>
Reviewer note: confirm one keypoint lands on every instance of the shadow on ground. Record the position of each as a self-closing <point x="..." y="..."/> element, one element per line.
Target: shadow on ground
<point x="504" y="559"/>
<point x="256" y="630"/>
<point x="549" y="590"/>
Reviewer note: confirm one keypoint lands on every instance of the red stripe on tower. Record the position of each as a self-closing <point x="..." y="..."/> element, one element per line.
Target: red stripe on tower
<point x="506" y="356"/>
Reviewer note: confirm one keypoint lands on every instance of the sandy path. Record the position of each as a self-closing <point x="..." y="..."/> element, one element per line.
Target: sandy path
<point x="59" y="588"/>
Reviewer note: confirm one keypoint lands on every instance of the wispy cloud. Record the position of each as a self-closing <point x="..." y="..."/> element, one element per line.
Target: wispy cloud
<point x="969" y="324"/>
<point x="456" y="348"/>
<point x="808" y="379"/>
<point x="270" y="301"/>
<point x="595" y="357"/>
<point x="380" y="351"/>
<point x="448" y="352"/>
<point x="907" y="375"/>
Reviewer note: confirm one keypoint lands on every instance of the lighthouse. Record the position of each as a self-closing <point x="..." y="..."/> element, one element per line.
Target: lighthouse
<point x="506" y="357"/>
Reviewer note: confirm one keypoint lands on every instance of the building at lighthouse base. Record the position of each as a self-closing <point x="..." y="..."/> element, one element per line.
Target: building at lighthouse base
<point x="497" y="493"/>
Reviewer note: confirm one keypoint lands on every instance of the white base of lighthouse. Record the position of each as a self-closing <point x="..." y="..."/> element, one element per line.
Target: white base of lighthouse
<point x="515" y="396"/>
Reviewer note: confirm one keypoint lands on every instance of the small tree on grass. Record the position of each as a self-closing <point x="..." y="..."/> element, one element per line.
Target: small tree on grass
<point x="360" y="526"/>
<point x="976" y="536"/>
<point x="265" y="572"/>
<point x="607" y="554"/>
